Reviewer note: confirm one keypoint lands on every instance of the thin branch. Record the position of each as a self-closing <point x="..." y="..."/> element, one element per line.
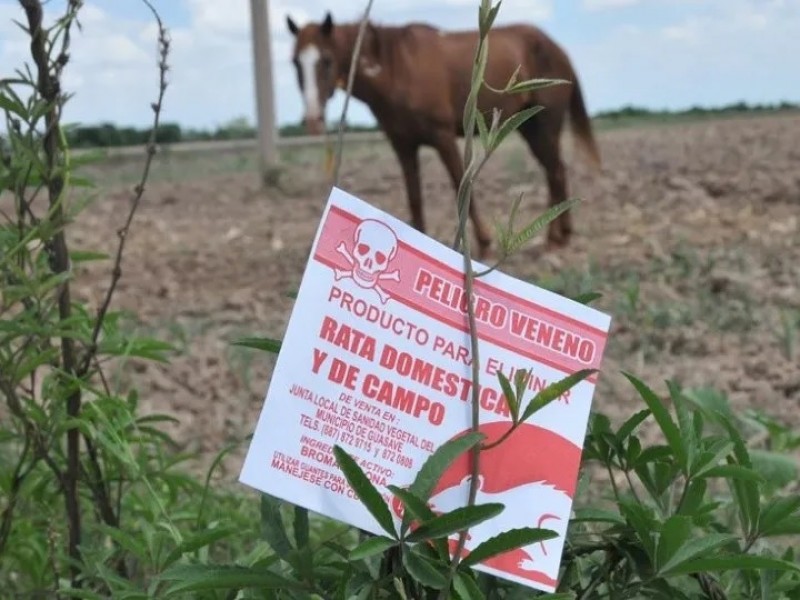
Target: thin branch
<point x="349" y="92"/>
<point x="138" y="192"/>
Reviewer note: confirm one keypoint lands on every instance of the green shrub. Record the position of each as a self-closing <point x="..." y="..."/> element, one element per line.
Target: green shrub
<point x="94" y="503"/>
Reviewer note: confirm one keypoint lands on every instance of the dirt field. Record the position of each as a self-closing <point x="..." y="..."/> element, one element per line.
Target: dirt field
<point x="692" y="235"/>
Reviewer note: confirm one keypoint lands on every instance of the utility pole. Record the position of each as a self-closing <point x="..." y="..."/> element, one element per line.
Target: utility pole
<point x="265" y="101"/>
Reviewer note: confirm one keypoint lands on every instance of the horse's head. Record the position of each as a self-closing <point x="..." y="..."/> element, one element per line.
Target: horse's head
<point x="318" y="70"/>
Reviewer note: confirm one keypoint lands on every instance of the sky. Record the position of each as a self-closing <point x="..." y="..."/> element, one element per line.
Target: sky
<point x="654" y="53"/>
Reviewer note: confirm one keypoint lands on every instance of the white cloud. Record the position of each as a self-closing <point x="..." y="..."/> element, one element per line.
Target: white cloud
<point x="733" y="50"/>
<point x="719" y="51"/>
<point x="593" y="5"/>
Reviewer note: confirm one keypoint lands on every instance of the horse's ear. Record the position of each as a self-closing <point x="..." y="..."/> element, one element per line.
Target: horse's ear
<point x="327" y="24"/>
<point x="292" y="25"/>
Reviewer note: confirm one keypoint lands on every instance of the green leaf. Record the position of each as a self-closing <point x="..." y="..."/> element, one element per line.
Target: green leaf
<point x="79" y="256"/>
<point x="674" y="550"/>
<point x="711" y="456"/>
<point x="778" y="468"/>
<point x="272" y="527"/>
<point x="663" y="419"/>
<point x="746" y="491"/>
<point x="521" y="379"/>
<point x="420" y="511"/>
<point x="776" y="517"/>
<point x="300" y="526"/>
<point x="438" y="462"/>
<point x="629" y="426"/>
<point x="506" y="541"/>
<point x="732" y="471"/>
<point x="685" y="426"/>
<point x="197" y="541"/>
<point x="483" y="132"/>
<point x="693" y="498"/>
<point x="641" y="519"/>
<point x="131" y="544"/>
<point x="456" y="520"/>
<point x="414" y="505"/>
<point x="150" y="349"/>
<point x="734" y="562"/>
<point x="597" y="515"/>
<point x="514" y="77"/>
<point x="513" y="123"/>
<point x="653" y="454"/>
<point x="530" y="85"/>
<point x="674" y="533"/>
<point x="422" y="570"/>
<point x="512" y="399"/>
<point x="196" y="578"/>
<point x="466" y="588"/>
<point x="84" y="594"/>
<point x="554" y="391"/>
<point x="587" y="298"/>
<point x="486" y="19"/>
<point x="266" y="344"/>
<point x="398" y="585"/>
<point x="711" y="403"/>
<point x="11" y="105"/>
<point x="539" y="223"/>
<point x="371" y="546"/>
<point x="366" y="492"/>
<point x="28" y="365"/>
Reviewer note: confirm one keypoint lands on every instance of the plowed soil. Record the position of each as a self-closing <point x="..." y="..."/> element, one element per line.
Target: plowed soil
<point x="691" y="233"/>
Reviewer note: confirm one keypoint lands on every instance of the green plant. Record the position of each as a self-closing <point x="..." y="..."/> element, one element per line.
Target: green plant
<point x="653" y="538"/>
<point x="93" y="501"/>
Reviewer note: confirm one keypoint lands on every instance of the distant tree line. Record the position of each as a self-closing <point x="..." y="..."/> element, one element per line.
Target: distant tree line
<point x="627" y="112"/>
<point x="106" y="135"/>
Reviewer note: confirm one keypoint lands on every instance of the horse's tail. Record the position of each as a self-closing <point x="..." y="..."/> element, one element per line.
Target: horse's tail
<point x="581" y="123"/>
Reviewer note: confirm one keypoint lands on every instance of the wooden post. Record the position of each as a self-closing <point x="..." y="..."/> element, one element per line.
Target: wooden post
<point x="265" y="101"/>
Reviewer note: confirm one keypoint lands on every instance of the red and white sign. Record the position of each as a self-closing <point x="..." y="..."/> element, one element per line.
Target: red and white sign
<point x="376" y="358"/>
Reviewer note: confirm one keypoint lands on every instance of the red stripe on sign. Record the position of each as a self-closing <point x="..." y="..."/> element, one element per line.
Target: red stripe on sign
<point x="431" y="287"/>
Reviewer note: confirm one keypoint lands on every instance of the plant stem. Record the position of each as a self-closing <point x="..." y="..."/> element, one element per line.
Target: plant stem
<point x="138" y="192"/>
<point x="49" y="88"/>
<point x="349" y="92"/>
<point x="462" y="240"/>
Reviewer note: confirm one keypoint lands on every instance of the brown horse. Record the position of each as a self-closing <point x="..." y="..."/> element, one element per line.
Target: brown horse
<point x="415" y="79"/>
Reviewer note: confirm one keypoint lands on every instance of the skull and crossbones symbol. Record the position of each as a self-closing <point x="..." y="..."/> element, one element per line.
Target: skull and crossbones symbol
<point x="374" y="246"/>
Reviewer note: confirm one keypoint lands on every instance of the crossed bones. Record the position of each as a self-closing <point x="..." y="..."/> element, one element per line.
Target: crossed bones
<point x="375" y="283"/>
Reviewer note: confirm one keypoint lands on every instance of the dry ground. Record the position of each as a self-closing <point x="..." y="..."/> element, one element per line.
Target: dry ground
<point x="692" y="235"/>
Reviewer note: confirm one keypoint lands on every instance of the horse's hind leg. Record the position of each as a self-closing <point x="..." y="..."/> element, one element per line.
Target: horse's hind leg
<point x="542" y="135"/>
<point x="447" y="147"/>
<point x="408" y="156"/>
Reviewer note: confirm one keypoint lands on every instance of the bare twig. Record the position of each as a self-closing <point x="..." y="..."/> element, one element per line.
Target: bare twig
<point x="349" y="92"/>
<point x="138" y="192"/>
<point x="97" y="483"/>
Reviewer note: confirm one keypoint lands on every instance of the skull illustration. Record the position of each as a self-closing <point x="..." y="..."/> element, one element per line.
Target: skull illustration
<point x="375" y="244"/>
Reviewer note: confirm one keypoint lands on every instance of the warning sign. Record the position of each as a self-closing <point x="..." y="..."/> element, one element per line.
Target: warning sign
<point x="376" y="358"/>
